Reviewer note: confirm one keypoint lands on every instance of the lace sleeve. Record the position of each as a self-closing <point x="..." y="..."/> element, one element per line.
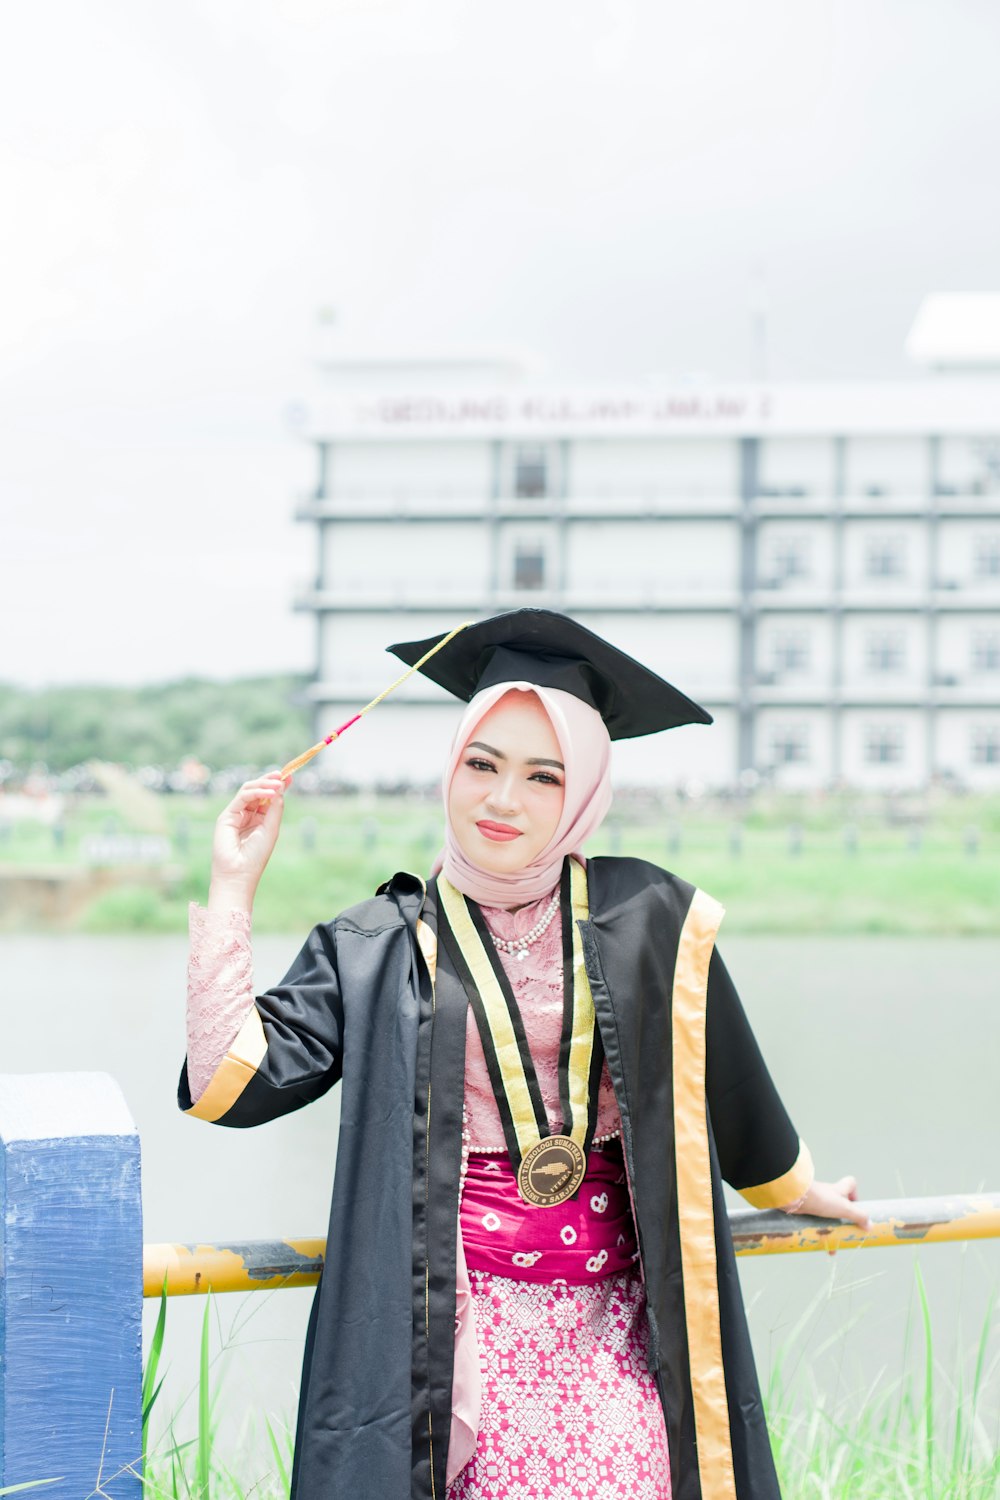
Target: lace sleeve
<point x="220" y="989"/>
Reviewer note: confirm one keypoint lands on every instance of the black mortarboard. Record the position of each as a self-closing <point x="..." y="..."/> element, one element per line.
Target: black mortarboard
<point x="550" y="649"/>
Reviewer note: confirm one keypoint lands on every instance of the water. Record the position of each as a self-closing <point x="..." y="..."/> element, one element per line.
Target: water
<point x="884" y="1050"/>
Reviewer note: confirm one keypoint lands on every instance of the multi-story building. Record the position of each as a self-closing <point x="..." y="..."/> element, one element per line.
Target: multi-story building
<point x="818" y="565"/>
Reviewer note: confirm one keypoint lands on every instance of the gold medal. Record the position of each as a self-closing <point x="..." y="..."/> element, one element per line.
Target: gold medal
<point x="551" y="1172"/>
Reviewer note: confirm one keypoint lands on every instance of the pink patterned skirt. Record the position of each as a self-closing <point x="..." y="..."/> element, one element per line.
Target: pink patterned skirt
<point x="569" y="1409"/>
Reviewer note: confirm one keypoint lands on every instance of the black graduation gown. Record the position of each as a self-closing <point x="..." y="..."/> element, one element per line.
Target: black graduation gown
<point x="360" y="1005"/>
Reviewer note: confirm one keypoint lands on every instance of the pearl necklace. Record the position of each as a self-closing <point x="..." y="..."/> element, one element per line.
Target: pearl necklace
<point x="518" y="947"/>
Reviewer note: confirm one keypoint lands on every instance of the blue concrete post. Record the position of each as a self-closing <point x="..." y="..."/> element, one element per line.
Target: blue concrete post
<point x="70" y="1286"/>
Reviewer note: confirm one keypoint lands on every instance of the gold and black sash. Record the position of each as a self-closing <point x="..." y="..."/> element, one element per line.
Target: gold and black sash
<point x="549" y="1167"/>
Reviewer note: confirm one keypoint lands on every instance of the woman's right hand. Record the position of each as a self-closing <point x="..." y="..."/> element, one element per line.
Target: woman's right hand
<point x="246" y="832"/>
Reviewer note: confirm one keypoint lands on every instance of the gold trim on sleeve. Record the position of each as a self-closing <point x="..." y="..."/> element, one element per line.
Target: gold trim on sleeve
<point x="784" y="1189"/>
<point x="694" y="1201"/>
<point x="234" y="1072"/>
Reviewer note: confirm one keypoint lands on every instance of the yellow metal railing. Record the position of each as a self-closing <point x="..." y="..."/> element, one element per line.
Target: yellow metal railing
<point x="259" y="1265"/>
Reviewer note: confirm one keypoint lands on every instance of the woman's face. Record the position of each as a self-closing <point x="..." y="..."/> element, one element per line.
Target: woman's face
<point x="506" y="796"/>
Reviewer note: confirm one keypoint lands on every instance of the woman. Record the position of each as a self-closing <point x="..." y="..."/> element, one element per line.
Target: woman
<point x="546" y="1055"/>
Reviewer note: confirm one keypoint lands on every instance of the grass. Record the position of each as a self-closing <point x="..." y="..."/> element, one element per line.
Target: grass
<point x="929" y="1434"/>
<point x="29" y="1484"/>
<point x="194" y="1468"/>
<point x="901" y="1439"/>
<point x="779" y="864"/>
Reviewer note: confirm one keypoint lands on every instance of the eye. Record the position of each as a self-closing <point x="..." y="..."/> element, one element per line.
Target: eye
<point x="479" y="764"/>
<point x="546" y="777"/>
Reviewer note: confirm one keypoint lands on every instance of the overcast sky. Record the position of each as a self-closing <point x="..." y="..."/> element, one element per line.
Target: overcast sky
<point x="609" y="184"/>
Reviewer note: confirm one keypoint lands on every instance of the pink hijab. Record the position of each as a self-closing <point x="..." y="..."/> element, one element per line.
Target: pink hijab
<point x="586" y="754"/>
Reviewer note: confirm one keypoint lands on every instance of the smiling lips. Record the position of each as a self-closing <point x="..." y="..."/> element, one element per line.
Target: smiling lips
<point x="500" y="833"/>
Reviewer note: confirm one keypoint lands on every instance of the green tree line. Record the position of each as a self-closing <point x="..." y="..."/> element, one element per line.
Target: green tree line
<point x="253" y="721"/>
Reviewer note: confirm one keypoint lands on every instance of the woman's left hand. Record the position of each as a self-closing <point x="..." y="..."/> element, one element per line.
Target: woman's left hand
<point x="835" y="1200"/>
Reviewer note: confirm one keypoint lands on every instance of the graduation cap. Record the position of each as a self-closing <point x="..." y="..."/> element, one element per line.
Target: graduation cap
<point x="551" y="650"/>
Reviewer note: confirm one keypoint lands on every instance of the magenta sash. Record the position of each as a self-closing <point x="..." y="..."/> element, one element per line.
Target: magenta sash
<point x="580" y="1241"/>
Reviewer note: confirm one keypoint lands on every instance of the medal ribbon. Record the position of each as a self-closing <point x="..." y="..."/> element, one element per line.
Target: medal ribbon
<point x="508" y="1059"/>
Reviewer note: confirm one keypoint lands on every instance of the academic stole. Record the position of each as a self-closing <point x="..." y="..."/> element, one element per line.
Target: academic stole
<point x="549" y="1168"/>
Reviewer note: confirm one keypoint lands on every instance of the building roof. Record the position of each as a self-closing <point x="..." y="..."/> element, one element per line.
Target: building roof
<point x="957" y="330"/>
<point x="363" y="367"/>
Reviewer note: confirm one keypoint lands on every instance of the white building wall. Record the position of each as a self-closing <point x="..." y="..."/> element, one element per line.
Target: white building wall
<point x="802" y="464"/>
<point x="983" y="647"/>
<point x="887" y="466"/>
<point x="809" y="728"/>
<point x="396" y="744"/>
<point x="795" y="556"/>
<point x="871" y="641"/>
<point x="907" y="727"/>
<point x="864" y="539"/>
<point x="429" y="467"/>
<point x="782" y="636"/>
<point x="956" y="651"/>
<point x="969" y="465"/>
<point x="698" y="653"/>
<point x="400" y="561"/>
<point x="353" y="662"/>
<point x="671" y="585"/>
<point x="695" y="757"/>
<point x="651" y="561"/>
<point x="687" y="469"/>
<point x="960" y="543"/>
<point x="956" y="734"/>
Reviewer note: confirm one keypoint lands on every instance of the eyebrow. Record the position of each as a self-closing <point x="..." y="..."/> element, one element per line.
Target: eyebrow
<point x="537" y="760"/>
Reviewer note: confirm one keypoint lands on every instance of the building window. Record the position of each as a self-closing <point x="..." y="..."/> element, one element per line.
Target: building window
<point x="531" y="477"/>
<point x="789" y="558"/>
<point x="885" y="651"/>
<point x="986" y="555"/>
<point x="529" y="565"/>
<point x="986" y="651"/>
<point x="986" y="456"/>
<point x="791" y="651"/>
<point x="790" y="745"/>
<point x="885" y="556"/>
<point x="985" y="745"/>
<point x="883" y="744"/>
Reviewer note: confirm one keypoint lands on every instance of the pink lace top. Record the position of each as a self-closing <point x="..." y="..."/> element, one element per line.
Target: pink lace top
<point x="220" y="990"/>
<point x="221" y="994"/>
